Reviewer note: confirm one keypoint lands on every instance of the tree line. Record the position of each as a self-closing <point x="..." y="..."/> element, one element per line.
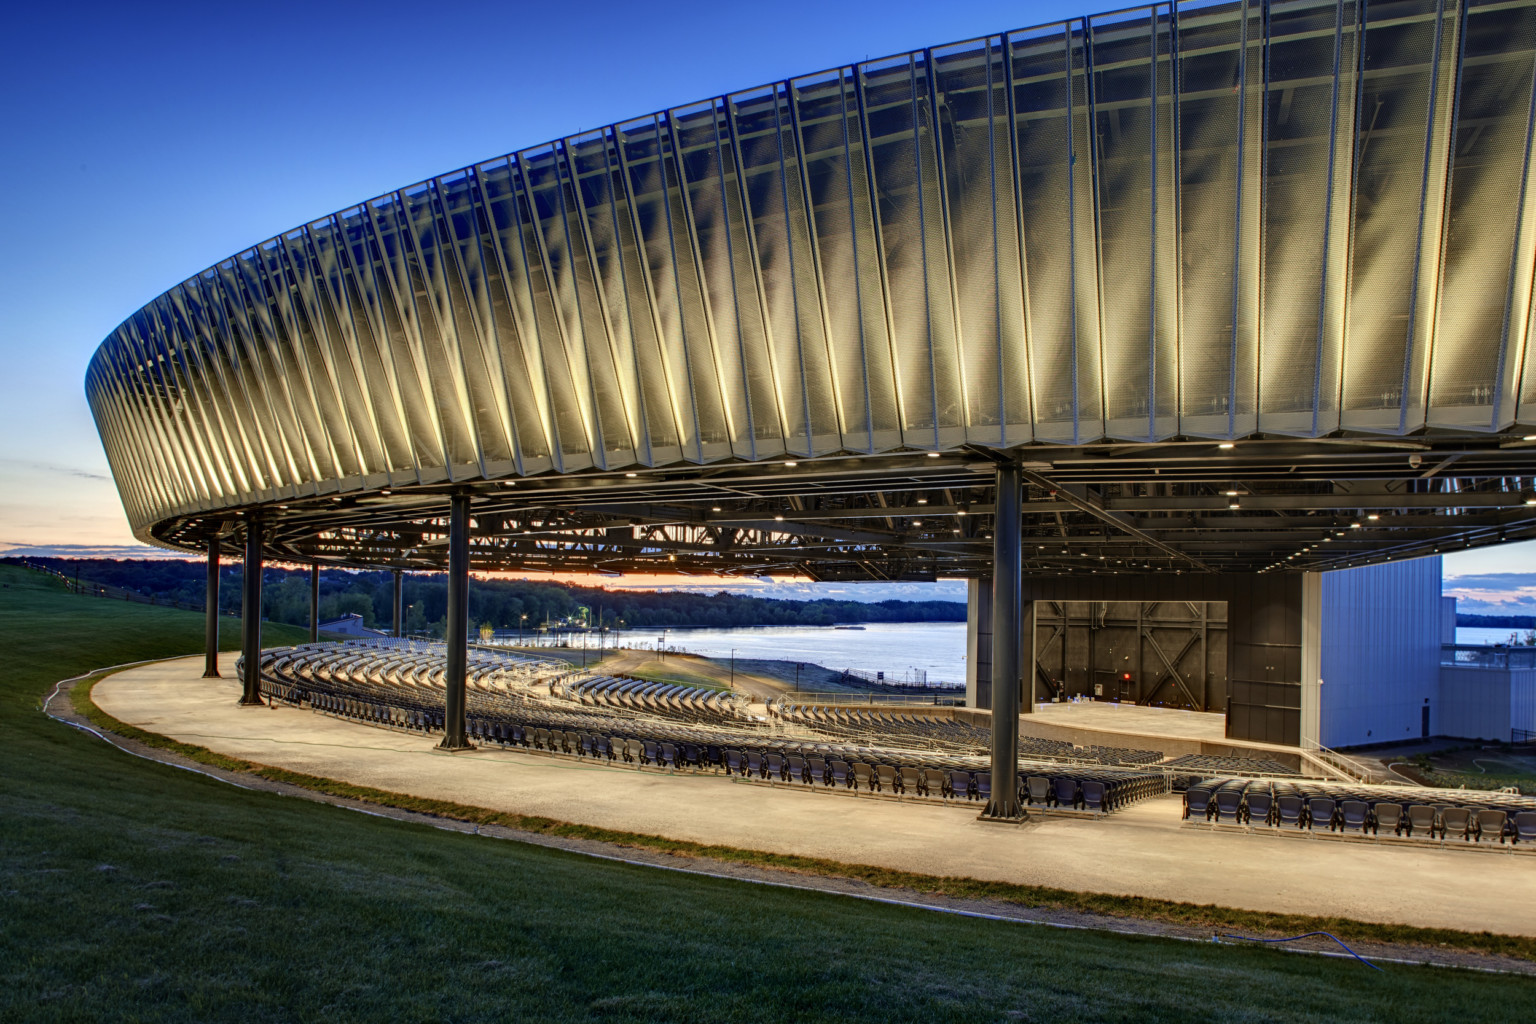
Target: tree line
<point x="1496" y="621"/>
<point x="498" y="603"/>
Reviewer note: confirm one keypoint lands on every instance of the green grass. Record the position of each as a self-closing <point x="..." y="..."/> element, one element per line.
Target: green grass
<point x="132" y="890"/>
<point x="1472" y="767"/>
<point x="655" y="671"/>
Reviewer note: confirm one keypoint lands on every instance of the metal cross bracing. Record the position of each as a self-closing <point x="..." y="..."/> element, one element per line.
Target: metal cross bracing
<point x="1167" y="653"/>
<point x="1181" y="507"/>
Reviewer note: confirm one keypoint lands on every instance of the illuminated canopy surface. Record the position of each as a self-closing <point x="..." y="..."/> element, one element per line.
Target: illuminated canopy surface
<point x="1099" y="246"/>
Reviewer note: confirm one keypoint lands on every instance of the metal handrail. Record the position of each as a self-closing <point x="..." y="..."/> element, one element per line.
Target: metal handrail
<point x="1336" y="763"/>
<point x="921" y="700"/>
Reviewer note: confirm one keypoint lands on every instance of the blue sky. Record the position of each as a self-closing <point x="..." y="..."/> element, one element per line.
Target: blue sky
<point x="145" y="141"/>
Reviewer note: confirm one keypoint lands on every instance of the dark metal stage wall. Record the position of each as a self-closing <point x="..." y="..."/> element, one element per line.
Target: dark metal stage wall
<point x="1242" y="632"/>
<point x="1157" y="653"/>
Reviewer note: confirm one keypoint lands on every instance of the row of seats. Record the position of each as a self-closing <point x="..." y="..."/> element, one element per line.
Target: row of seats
<point x="1424" y="813"/>
<point x="928" y="729"/>
<point x="863" y="769"/>
<point x="366" y="711"/>
<point x="1124" y="755"/>
<point x="398" y="663"/>
<point x="526" y="716"/>
<point x="665" y="699"/>
<point x="1214" y="764"/>
<point x="925" y="729"/>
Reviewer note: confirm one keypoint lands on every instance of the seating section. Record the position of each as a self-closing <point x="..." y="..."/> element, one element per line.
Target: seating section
<point x="625" y="721"/>
<point x="921" y="728"/>
<point x="1212" y="764"/>
<point x="1410" y="812"/>
<point x="683" y="703"/>
<point x="936" y="729"/>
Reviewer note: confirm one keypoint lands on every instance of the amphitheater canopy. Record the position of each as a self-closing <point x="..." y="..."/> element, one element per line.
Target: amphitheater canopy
<point x="726" y="337"/>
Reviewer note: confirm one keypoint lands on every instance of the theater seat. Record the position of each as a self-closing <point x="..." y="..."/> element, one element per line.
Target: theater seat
<point x="1423" y="821"/>
<point x="1490" y="824"/>
<point x="1354" y="816"/>
<point x="1525" y="826"/>
<point x="1039" y="790"/>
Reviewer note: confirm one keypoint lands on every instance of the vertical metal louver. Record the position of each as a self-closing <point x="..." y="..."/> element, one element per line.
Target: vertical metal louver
<point x="1205" y="220"/>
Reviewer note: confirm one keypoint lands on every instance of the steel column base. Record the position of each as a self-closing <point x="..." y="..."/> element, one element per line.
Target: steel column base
<point x="257" y="702"/>
<point x="454" y="749"/>
<point x="1018" y="818"/>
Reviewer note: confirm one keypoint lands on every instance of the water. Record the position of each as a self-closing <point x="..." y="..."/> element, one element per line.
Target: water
<point x="899" y="649"/>
<point x="1487" y="634"/>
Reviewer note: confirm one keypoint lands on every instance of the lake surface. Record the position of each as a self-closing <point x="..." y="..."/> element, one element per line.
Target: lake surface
<point x="1487" y="634"/>
<point x="902" y="650"/>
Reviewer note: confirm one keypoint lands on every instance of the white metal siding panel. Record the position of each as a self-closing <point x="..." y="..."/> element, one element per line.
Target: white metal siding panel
<point x="1475" y="703"/>
<point x="1380" y="641"/>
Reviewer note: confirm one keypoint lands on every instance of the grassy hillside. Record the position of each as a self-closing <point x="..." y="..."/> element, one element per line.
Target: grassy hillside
<point x="131" y="890"/>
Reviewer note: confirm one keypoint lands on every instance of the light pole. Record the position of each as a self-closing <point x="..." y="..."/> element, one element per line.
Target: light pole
<point x="520" y="623"/>
<point x="733" y="669"/>
<point x="797" y="677"/>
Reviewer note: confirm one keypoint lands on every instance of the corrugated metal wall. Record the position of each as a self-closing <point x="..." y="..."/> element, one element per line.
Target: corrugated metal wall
<point x="1476" y="702"/>
<point x="1380" y="652"/>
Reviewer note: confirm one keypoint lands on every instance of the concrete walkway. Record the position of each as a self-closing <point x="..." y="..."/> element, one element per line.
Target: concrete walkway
<point x="1141" y="850"/>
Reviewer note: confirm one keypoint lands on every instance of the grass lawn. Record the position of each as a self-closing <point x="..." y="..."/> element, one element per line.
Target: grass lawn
<point x="591" y="658"/>
<point x="136" y="891"/>
<point x="673" y="670"/>
<point x="1475" y="766"/>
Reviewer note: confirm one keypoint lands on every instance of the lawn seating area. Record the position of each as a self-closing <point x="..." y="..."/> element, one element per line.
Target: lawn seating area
<point x="1422" y="813"/>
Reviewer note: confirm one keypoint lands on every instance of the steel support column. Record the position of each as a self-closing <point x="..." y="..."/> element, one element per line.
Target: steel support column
<point x="397" y="604"/>
<point x="314" y="603"/>
<point x="250" y="613"/>
<point x="1007" y="630"/>
<point x="458" y="625"/>
<point x="211" y="615"/>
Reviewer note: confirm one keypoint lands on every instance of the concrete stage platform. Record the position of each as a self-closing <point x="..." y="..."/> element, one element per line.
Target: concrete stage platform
<point x="1169" y="730"/>
<point x="1142" y="850"/>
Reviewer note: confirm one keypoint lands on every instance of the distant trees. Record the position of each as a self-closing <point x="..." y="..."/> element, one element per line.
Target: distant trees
<point x="1496" y="621"/>
<point x="501" y="604"/>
